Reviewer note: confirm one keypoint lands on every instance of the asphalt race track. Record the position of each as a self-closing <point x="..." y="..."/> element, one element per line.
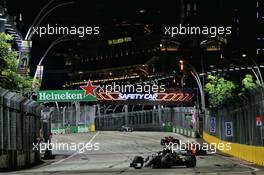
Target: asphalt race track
<point x="117" y="149"/>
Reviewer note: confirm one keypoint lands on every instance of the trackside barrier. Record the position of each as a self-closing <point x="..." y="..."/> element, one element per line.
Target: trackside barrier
<point x="240" y="122"/>
<point x="73" y="129"/>
<point x="184" y="131"/>
<point x="73" y="119"/>
<point x="254" y="154"/>
<point x="19" y="129"/>
<point x="161" y="119"/>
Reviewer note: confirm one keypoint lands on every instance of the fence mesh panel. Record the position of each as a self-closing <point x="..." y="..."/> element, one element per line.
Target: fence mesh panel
<point x="243" y="114"/>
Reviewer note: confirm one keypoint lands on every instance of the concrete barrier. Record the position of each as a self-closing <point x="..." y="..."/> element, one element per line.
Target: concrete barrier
<point x="21" y="160"/>
<point x="254" y="154"/>
<point x="184" y="131"/>
<point x="4" y="161"/>
<point x="73" y="129"/>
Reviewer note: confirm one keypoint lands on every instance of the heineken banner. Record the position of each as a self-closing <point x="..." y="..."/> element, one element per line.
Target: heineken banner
<point x="117" y="92"/>
<point x="87" y="93"/>
<point x="64" y="96"/>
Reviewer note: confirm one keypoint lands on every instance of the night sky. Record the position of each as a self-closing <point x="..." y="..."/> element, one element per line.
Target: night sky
<point x="111" y="14"/>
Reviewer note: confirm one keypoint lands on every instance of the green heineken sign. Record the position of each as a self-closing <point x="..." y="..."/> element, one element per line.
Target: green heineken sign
<point x="88" y="93"/>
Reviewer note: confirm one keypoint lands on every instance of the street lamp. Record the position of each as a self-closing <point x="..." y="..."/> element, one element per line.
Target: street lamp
<point x="197" y="78"/>
<point x="25" y="51"/>
<point x="202" y="95"/>
<point x="37" y="21"/>
<point x="181" y="65"/>
<point x="39" y="71"/>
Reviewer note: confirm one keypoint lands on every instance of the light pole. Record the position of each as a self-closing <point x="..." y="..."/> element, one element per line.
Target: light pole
<point x="198" y="81"/>
<point x="37" y="21"/>
<point x="36" y="18"/>
<point x="39" y="71"/>
<point x="25" y="51"/>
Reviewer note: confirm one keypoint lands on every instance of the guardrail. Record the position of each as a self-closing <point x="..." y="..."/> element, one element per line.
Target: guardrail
<point x="241" y="124"/>
<point x="161" y="119"/>
<point x="19" y="129"/>
<point x="139" y="120"/>
<point x="73" y="129"/>
<point x="184" y="131"/>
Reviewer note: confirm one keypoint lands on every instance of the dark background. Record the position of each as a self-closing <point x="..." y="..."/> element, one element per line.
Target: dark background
<point x="92" y="58"/>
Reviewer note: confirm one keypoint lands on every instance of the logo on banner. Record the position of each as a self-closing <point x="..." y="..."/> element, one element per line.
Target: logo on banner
<point x="87" y="93"/>
<point x="143" y="91"/>
<point x="212" y="124"/>
<point x="229" y="129"/>
<point x="89" y="89"/>
<point x="115" y="92"/>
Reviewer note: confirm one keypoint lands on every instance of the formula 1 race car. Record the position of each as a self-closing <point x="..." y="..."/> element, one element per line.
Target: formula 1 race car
<point x="169" y="140"/>
<point x="165" y="159"/>
<point x="193" y="147"/>
<point x="126" y="129"/>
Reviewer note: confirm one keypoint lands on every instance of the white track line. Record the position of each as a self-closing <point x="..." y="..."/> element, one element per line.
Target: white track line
<point x="254" y="169"/>
<point x="62" y="160"/>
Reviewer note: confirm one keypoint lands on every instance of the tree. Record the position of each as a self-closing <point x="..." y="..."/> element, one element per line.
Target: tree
<point x="248" y="83"/>
<point x="9" y="79"/>
<point x="219" y="90"/>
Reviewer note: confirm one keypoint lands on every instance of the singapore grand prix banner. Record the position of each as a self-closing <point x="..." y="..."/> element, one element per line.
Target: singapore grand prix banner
<point x="117" y="92"/>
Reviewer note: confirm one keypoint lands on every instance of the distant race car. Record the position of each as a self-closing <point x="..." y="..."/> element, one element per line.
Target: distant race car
<point x="165" y="159"/>
<point x="169" y="140"/>
<point x="126" y="129"/>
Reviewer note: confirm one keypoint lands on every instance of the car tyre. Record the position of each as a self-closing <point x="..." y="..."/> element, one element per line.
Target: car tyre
<point x="166" y="161"/>
<point x="136" y="160"/>
<point x="190" y="161"/>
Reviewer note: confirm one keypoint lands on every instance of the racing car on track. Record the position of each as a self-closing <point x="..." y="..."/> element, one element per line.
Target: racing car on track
<point x="169" y="140"/>
<point x="165" y="159"/>
<point x="126" y="129"/>
<point x="193" y="147"/>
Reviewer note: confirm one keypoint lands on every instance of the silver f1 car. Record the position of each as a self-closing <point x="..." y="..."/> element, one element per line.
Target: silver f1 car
<point x="165" y="159"/>
<point x="126" y="129"/>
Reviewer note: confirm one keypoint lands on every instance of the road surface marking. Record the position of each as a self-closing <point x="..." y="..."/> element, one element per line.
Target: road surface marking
<point x="241" y="164"/>
<point x="77" y="152"/>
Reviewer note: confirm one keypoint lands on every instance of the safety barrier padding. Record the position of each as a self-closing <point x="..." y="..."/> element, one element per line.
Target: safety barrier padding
<point x="92" y="128"/>
<point x="73" y="129"/>
<point x="184" y="131"/>
<point x="254" y="154"/>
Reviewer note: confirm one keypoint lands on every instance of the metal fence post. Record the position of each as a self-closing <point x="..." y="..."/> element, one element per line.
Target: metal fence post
<point x="126" y="115"/>
<point x="159" y="115"/>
